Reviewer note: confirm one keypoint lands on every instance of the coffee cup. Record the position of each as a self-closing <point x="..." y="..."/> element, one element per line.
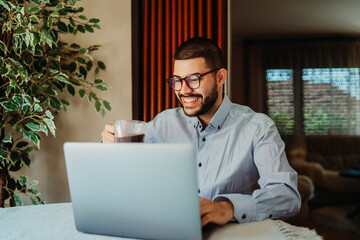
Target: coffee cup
<point x="129" y="131"/>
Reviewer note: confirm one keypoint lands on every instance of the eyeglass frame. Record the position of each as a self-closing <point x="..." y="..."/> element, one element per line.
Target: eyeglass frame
<point x="199" y="76"/>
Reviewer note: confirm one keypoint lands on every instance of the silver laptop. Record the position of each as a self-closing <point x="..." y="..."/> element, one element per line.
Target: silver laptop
<point x="135" y="190"/>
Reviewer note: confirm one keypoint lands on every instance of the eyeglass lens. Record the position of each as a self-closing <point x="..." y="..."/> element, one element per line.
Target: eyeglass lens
<point x="192" y="81"/>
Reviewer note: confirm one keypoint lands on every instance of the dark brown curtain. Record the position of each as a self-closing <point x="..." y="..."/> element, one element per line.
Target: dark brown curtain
<point x="159" y="27"/>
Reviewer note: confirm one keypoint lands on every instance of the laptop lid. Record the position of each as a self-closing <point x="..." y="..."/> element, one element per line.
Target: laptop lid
<point x="134" y="190"/>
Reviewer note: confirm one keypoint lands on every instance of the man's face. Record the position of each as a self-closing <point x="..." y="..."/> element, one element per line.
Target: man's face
<point x="196" y="102"/>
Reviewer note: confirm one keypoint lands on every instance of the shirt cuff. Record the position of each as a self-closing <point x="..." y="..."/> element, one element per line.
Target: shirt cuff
<point x="244" y="206"/>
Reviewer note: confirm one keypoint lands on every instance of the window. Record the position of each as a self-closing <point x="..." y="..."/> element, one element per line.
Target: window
<point x="281" y="99"/>
<point x="330" y="102"/>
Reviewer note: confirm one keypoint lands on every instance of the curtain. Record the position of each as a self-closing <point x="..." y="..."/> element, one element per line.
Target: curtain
<point x="333" y="58"/>
<point x="159" y="27"/>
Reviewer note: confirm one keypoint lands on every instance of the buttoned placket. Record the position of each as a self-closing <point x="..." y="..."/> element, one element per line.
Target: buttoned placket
<point x="202" y="142"/>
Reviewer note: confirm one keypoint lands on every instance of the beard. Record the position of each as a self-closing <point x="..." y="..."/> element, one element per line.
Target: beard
<point x="208" y="102"/>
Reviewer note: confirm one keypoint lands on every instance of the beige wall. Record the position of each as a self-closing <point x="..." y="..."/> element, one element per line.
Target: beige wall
<point x="81" y="122"/>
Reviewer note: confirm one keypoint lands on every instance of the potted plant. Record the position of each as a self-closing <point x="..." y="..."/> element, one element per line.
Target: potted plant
<point x="38" y="71"/>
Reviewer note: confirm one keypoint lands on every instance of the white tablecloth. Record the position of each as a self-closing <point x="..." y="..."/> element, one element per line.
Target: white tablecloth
<point x="56" y="222"/>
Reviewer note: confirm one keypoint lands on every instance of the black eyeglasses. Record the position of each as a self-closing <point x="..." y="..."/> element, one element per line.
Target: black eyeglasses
<point x="192" y="81"/>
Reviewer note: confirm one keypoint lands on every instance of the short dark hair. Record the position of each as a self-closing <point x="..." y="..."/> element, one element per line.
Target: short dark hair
<point x="201" y="47"/>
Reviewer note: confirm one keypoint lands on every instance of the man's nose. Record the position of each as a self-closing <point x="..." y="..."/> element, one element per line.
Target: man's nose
<point x="185" y="88"/>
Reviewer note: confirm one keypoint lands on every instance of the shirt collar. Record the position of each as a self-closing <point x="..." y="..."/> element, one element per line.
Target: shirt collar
<point x="219" y="117"/>
<point x="221" y="114"/>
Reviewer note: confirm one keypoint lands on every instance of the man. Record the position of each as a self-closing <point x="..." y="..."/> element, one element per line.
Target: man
<point x="243" y="173"/>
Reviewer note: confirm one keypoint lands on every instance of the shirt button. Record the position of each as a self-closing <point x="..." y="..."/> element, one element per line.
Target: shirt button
<point x="218" y="127"/>
<point x="204" y="139"/>
<point x="200" y="164"/>
<point x="199" y="190"/>
<point x="243" y="216"/>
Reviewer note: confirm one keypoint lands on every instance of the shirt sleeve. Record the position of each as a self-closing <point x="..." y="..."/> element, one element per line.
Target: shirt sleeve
<point x="278" y="196"/>
<point x="149" y="133"/>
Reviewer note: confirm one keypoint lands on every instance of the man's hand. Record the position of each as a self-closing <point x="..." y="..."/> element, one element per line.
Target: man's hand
<point x="216" y="212"/>
<point x="108" y="134"/>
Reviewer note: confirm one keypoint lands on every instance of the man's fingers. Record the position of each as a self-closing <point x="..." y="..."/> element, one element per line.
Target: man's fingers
<point x="107" y="137"/>
<point x="215" y="212"/>
<point x="205" y="206"/>
<point x="206" y="219"/>
<point x="110" y="128"/>
<point x="108" y="134"/>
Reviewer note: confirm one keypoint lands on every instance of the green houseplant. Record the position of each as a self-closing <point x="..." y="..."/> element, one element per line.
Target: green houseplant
<point x="38" y="71"/>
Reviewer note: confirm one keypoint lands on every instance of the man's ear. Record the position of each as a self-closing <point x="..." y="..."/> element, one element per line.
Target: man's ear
<point x="221" y="76"/>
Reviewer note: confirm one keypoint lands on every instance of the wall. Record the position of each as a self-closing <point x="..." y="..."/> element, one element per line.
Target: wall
<point x="237" y="70"/>
<point x="81" y="122"/>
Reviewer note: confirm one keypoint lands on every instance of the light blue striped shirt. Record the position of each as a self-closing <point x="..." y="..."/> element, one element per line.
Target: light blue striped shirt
<point x="240" y="158"/>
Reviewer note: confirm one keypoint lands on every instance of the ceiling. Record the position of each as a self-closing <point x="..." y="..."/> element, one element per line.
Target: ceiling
<point x="294" y="17"/>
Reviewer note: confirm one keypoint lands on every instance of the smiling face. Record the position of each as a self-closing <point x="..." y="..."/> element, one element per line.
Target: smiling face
<point x="205" y="100"/>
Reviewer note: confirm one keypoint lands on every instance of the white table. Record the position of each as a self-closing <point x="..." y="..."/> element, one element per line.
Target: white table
<point x="56" y="222"/>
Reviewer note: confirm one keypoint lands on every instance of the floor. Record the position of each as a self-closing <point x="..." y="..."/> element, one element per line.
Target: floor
<point x="331" y="223"/>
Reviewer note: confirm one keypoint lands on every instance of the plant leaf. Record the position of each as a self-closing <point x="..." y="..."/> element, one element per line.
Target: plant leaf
<point x="89" y="28"/>
<point x="29" y="149"/>
<point x="38" y="108"/>
<point x="18" y="100"/>
<point x="81" y="60"/>
<point x="4" y="5"/>
<point x="33" y="182"/>
<point x="7" y="138"/>
<point x="25" y="108"/>
<point x="107" y="105"/>
<point x="83" y="71"/>
<point x="34" y="191"/>
<point x="9" y="105"/>
<point x="102" y="88"/>
<point x="51" y="125"/>
<point x="48" y="114"/>
<point x="55" y="103"/>
<point x="98" y="80"/>
<point x="19" y="30"/>
<point x="72" y="2"/>
<point x="16" y="197"/>
<point x="97" y="106"/>
<point x="63" y="101"/>
<point x="25" y="158"/>
<point x="62" y="26"/>
<point x="22" y="180"/>
<point x="82" y="50"/>
<point x="43" y="128"/>
<point x="72" y="67"/>
<point x="101" y="65"/>
<point x="27" y="98"/>
<point x="61" y="79"/>
<point x="21" y="144"/>
<point x="81" y="93"/>
<point x="71" y="89"/>
<point x="80" y="28"/>
<point x="3" y="152"/>
<point x="94" y="20"/>
<point x="33" y="127"/>
<point x="34" y="19"/>
<point x="35" y="139"/>
<point x="32" y="10"/>
<point x="75" y="46"/>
